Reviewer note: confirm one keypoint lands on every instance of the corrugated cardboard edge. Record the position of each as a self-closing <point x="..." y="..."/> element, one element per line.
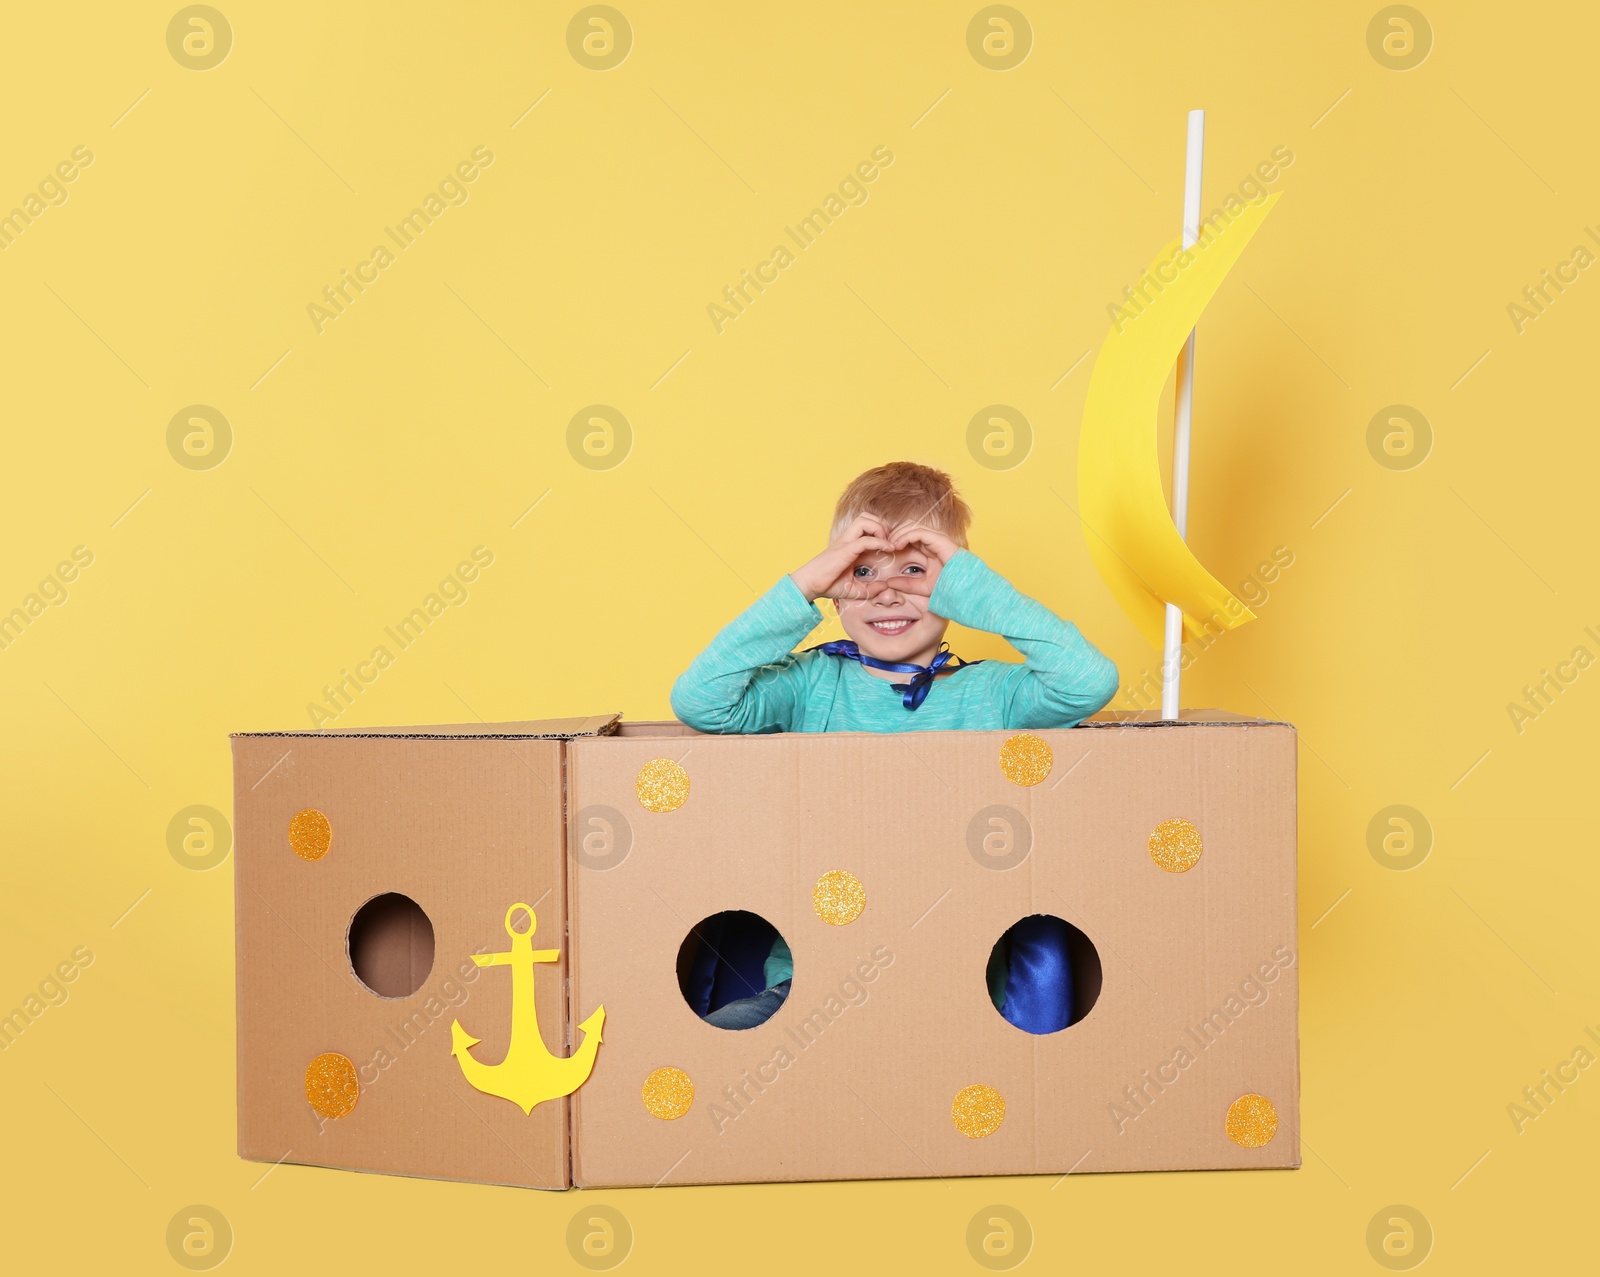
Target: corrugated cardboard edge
<point x="1106" y="718"/>
<point x="1186" y="718"/>
<point x="532" y="729"/>
<point x="1294" y="881"/>
<point x="238" y="965"/>
<point x="569" y="888"/>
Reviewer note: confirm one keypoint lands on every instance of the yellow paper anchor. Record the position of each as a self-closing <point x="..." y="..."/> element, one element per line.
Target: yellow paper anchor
<point x="529" y="1074"/>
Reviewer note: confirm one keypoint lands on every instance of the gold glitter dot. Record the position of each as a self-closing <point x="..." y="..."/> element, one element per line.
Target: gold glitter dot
<point x="668" y="1093"/>
<point x="978" y="1110"/>
<point x="331" y="1085"/>
<point x="662" y="785"/>
<point x="1026" y="759"/>
<point x="1252" y="1121"/>
<point x="310" y="834"/>
<point x="839" y="897"/>
<point x="1175" y="845"/>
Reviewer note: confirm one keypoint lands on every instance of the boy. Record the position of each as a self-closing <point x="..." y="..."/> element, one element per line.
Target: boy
<point x="898" y="571"/>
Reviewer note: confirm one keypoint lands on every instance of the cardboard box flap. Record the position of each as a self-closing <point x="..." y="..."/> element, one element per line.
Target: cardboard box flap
<point x="533" y="729"/>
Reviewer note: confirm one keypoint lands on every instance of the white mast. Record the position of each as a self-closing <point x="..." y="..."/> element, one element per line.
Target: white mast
<point x="1172" y="653"/>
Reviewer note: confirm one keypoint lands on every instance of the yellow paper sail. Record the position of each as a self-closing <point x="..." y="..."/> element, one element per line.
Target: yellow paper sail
<point x="1131" y="536"/>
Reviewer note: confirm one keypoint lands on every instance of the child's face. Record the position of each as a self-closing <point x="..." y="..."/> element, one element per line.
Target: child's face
<point x="895" y="624"/>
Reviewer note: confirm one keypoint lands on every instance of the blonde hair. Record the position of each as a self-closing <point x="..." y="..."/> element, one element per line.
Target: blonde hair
<point x="905" y="492"/>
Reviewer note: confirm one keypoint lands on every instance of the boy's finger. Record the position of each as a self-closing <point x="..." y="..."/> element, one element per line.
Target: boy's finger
<point x="910" y="585"/>
<point x="845" y="587"/>
<point x="852" y="589"/>
<point x="850" y="551"/>
<point x="936" y="543"/>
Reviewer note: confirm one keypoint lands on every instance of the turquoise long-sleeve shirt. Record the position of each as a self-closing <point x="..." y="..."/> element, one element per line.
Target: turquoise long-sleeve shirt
<point x="750" y="680"/>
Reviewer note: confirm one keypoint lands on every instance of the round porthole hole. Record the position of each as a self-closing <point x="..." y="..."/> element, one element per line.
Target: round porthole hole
<point x="1043" y="974"/>
<point x="391" y="945"/>
<point x="734" y="969"/>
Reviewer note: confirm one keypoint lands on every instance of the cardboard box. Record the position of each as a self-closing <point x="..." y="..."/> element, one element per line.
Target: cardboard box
<point x="888" y="1058"/>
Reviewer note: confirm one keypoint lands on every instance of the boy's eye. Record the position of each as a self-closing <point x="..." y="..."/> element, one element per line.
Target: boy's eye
<point x="863" y="571"/>
<point x="915" y="567"/>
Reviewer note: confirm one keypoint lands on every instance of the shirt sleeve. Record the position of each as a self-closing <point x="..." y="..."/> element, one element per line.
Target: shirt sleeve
<point x="779" y="965"/>
<point x="747" y="680"/>
<point x="1064" y="678"/>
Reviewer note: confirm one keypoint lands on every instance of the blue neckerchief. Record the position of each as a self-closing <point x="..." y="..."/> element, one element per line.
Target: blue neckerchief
<point x="916" y="691"/>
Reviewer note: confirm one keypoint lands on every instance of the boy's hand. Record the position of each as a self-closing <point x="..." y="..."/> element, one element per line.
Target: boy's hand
<point x="930" y="540"/>
<point x="832" y="573"/>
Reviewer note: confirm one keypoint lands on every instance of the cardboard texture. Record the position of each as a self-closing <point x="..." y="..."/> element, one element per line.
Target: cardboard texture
<point x="888" y="1018"/>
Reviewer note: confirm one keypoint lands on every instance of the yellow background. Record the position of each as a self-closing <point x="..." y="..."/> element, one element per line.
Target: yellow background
<point x="428" y="418"/>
